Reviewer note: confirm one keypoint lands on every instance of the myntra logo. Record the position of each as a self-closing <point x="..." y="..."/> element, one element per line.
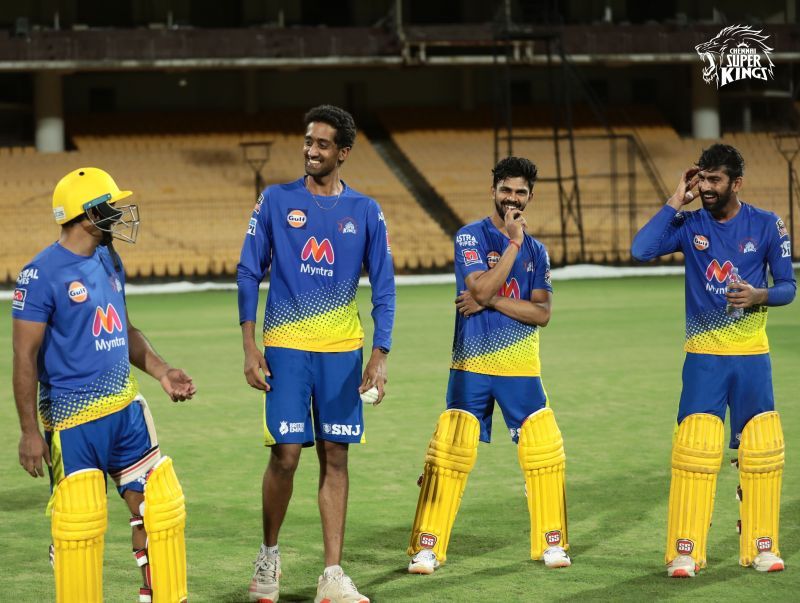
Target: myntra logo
<point x="720" y="273"/>
<point x="318" y="251"/>
<point x="509" y="289"/>
<point x="108" y="320"/>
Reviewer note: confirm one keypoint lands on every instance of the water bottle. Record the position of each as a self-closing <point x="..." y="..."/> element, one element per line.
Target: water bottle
<point x="730" y="283"/>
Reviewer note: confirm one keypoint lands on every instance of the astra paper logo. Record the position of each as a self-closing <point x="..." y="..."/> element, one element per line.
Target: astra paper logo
<point x="738" y="52"/>
<point x="28" y="275"/>
<point x="717" y="272"/>
<point x="466" y="240"/>
<point x="510" y="289"/>
<point x="107" y="320"/>
<point x="318" y="251"/>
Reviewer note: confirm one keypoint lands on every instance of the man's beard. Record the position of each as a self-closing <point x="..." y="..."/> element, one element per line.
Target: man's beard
<point x="719" y="202"/>
<point x="506" y="205"/>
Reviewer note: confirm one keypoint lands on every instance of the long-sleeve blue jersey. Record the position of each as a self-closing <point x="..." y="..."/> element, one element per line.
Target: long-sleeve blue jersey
<point x="314" y="248"/>
<point x="751" y="241"/>
<point x="490" y="342"/>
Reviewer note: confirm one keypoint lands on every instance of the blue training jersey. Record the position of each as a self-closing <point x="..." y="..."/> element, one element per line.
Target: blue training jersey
<point x="752" y="240"/>
<point x="314" y="248"/>
<point x="490" y="342"/>
<point x="83" y="365"/>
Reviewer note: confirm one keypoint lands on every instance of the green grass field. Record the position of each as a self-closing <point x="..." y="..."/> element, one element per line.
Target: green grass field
<point x="612" y="358"/>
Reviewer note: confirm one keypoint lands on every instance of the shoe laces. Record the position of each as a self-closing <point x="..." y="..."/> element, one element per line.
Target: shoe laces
<point x="266" y="568"/>
<point x="347" y="584"/>
<point x="425" y="555"/>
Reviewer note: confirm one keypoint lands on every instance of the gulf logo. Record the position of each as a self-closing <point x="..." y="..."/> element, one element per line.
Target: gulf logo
<point x="700" y="242"/>
<point x="77" y="292"/>
<point x="296" y="218"/>
<point x="492" y="258"/>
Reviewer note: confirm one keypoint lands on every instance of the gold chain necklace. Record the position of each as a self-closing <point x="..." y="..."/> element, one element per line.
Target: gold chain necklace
<point x="316" y="201"/>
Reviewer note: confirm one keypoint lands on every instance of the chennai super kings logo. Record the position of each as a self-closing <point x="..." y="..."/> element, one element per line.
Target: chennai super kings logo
<point x="736" y="53"/>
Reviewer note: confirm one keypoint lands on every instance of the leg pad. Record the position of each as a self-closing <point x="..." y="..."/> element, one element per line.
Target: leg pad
<point x="79" y="522"/>
<point x="761" y="460"/>
<point x="543" y="462"/>
<point x="165" y="521"/>
<point x="450" y="457"/>
<point x="696" y="461"/>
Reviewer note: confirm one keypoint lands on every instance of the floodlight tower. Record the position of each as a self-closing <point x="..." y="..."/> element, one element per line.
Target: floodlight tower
<point x="256" y="155"/>
<point x="789" y="146"/>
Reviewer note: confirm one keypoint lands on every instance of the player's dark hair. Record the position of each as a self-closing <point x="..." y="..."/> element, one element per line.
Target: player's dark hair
<point x="514" y="167"/>
<point x="336" y="118"/>
<point x="722" y="156"/>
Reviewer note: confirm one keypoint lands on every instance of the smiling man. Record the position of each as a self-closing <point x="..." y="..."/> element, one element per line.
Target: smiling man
<point x="503" y="297"/>
<point x="313" y="236"/>
<point x="727" y="358"/>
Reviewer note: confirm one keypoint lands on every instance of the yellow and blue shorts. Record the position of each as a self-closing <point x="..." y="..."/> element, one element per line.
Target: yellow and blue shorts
<point x="517" y="397"/>
<point x="318" y="386"/>
<point x="713" y="383"/>
<point x="122" y="444"/>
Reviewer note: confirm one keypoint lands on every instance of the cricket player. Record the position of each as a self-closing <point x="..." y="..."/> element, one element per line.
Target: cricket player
<point x="727" y="358"/>
<point x="313" y="236"/>
<point x="73" y="340"/>
<point x="504" y="296"/>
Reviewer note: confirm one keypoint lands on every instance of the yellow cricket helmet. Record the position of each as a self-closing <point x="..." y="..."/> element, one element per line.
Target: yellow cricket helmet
<point x="91" y="188"/>
<point x="83" y="189"/>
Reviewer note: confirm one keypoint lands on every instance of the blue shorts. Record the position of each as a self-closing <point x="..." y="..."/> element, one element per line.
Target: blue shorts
<point x="122" y="444"/>
<point x="518" y="398"/>
<point x="319" y="384"/>
<point x="711" y="382"/>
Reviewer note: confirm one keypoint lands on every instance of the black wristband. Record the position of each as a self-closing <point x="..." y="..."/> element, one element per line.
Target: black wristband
<point x="383" y="349"/>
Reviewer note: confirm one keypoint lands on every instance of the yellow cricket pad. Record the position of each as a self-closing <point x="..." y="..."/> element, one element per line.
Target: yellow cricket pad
<point x="543" y="463"/>
<point x="451" y="456"/>
<point x="164" y="522"/>
<point x="761" y="460"/>
<point x="79" y="524"/>
<point x="696" y="460"/>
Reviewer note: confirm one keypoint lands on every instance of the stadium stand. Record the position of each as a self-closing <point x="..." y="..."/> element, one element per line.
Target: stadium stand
<point x="194" y="191"/>
<point x="454" y="151"/>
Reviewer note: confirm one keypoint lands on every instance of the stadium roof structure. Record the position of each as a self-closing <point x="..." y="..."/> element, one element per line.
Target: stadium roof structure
<point x="304" y="47"/>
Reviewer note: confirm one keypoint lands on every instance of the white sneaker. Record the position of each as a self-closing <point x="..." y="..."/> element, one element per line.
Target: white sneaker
<point x="334" y="586"/>
<point x="768" y="562"/>
<point x="424" y="562"/>
<point x="555" y="556"/>
<point x="683" y="566"/>
<point x="264" y="585"/>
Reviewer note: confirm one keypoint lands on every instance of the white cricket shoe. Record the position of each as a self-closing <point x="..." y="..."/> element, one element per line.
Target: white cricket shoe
<point x="555" y="556"/>
<point x="264" y="585"/>
<point x="334" y="586"/>
<point x="683" y="566"/>
<point x="768" y="562"/>
<point x="424" y="562"/>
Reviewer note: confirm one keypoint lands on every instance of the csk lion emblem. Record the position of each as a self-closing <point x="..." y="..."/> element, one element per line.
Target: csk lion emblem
<point x="735" y="53"/>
